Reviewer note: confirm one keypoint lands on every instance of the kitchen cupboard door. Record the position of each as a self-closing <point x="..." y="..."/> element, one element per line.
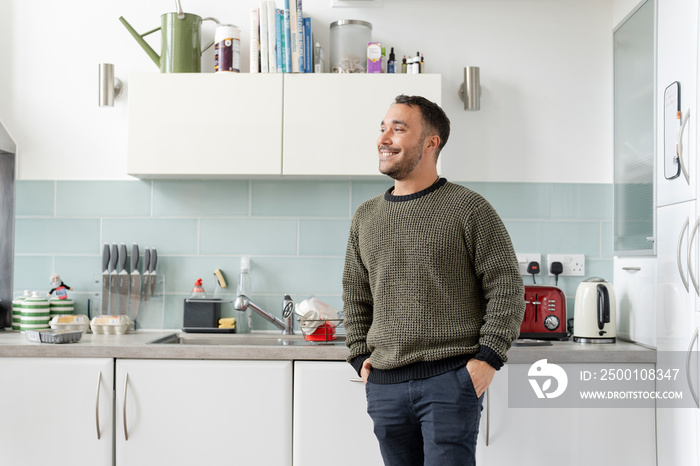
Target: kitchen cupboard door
<point x="56" y="411"/>
<point x="677" y="61"/>
<point x="558" y="436"/>
<point x="332" y="121"/>
<point x="635" y="296"/>
<point x="331" y="424"/>
<point x="204" y="125"/>
<point x="203" y="412"/>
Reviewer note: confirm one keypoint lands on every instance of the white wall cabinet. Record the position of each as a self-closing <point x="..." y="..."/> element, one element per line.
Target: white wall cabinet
<point x="203" y="412"/>
<point x="56" y="411"/>
<point x="331" y="122"/>
<point x="331" y="424"/>
<point x="188" y="125"/>
<point x="573" y="436"/>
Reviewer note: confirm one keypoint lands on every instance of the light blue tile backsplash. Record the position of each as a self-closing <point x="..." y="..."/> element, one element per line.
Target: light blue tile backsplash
<point x="294" y="232"/>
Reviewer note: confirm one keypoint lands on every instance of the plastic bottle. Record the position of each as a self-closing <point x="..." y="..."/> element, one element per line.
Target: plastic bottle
<point x="198" y="290"/>
<point x="418" y="63"/>
<point x="245" y="319"/>
<point x="391" y="64"/>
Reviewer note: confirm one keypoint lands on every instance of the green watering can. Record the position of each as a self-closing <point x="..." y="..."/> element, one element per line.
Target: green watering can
<point x="180" y="41"/>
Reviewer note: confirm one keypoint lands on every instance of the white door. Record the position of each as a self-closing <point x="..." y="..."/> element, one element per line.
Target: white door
<point x="56" y="411"/>
<point x="203" y="412"/>
<point x="677" y="55"/>
<point x="676" y="428"/>
<point x="331" y="424"/>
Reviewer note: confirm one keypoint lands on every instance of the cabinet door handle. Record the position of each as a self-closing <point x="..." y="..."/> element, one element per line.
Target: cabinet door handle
<point x="691" y="240"/>
<point x="679" y="261"/>
<point x="126" y="384"/>
<point x="631" y="269"/>
<point x="684" y="123"/>
<point x="356" y="379"/>
<point x="97" y="405"/>
<point x="687" y="368"/>
<point x="488" y="415"/>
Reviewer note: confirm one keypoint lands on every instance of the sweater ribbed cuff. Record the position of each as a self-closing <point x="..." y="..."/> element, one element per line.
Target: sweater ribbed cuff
<point x="357" y="362"/>
<point x="488" y="355"/>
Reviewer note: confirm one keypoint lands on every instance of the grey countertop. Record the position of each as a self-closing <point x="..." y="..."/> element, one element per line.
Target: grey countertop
<point x="138" y="346"/>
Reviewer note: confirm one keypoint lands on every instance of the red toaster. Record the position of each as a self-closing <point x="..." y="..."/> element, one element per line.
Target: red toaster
<point x="545" y="313"/>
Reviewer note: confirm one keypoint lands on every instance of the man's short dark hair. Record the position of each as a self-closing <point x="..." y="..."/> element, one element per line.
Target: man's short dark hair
<point x="434" y="117"/>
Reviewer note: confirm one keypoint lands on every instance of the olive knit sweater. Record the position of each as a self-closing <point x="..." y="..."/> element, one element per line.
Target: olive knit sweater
<point x="430" y="280"/>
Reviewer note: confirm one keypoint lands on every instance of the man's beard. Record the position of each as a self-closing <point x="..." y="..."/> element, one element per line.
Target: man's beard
<point x="403" y="168"/>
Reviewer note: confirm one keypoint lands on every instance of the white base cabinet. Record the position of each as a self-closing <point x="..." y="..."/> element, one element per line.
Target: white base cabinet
<point x="56" y="411"/>
<point x="635" y="296"/>
<point x="203" y="412"/>
<point x="571" y="436"/>
<point x="331" y="424"/>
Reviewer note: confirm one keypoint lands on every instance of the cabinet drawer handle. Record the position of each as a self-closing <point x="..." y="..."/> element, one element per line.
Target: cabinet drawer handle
<point x="126" y="384"/>
<point x="356" y="379"/>
<point x="631" y="269"/>
<point x="97" y="405"/>
<point x="687" y="368"/>
<point x="679" y="260"/>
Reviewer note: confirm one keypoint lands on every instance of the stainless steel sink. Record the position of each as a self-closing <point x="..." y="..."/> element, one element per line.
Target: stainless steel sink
<point x="243" y="339"/>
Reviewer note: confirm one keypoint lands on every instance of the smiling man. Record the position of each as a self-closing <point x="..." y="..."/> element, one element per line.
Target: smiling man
<point x="432" y="294"/>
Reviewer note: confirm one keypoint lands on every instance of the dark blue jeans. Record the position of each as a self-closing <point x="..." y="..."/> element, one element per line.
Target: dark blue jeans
<point x="430" y="422"/>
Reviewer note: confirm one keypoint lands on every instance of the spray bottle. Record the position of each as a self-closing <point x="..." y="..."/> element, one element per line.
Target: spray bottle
<point x="244" y="320"/>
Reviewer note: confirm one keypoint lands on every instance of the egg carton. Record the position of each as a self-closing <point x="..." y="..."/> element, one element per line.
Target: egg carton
<point x="70" y="322"/>
<point x="111" y="325"/>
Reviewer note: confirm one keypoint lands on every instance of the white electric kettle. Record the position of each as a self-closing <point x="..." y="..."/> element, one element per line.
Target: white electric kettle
<point x="595" y="312"/>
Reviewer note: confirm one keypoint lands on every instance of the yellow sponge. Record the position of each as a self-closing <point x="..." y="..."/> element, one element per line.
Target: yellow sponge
<point x="229" y="322"/>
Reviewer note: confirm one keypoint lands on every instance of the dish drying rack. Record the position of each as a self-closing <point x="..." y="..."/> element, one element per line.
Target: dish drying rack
<point x="314" y="330"/>
<point x="324" y="330"/>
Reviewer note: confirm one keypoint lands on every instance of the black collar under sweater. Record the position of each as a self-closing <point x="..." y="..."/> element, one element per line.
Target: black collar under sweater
<point x="409" y="197"/>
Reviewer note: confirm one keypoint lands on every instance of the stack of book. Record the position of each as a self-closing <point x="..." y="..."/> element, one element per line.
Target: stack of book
<point x="280" y="39"/>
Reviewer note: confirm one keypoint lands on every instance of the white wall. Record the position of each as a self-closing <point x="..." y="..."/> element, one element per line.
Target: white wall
<point x="546" y="73"/>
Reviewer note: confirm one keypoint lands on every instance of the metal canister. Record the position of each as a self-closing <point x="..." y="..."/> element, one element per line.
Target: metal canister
<point x="227" y="49"/>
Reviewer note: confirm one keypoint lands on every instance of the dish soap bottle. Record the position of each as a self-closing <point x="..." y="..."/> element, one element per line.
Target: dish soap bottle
<point x="198" y="290"/>
<point x="244" y="288"/>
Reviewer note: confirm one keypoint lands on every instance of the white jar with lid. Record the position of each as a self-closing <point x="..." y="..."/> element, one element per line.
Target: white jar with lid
<point x="349" y="39"/>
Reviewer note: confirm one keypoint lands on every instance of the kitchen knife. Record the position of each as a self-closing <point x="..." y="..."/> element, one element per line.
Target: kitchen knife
<point x="105" y="279"/>
<point x="123" y="281"/>
<point x="146" y="276"/>
<point x="113" y="284"/>
<point x="135" y="296"/>
<point x="152" y="270"/>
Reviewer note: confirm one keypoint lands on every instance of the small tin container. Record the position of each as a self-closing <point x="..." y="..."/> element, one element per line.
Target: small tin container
<point x="227" y="49"/>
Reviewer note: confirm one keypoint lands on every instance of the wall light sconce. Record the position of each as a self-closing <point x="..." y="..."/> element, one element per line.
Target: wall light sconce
<point x="109" y="86"/>
<point x="470" y="89"/>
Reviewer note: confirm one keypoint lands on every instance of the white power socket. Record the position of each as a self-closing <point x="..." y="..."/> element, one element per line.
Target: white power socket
<point x="524" y="259"/>
<point x="574" y="265"/>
